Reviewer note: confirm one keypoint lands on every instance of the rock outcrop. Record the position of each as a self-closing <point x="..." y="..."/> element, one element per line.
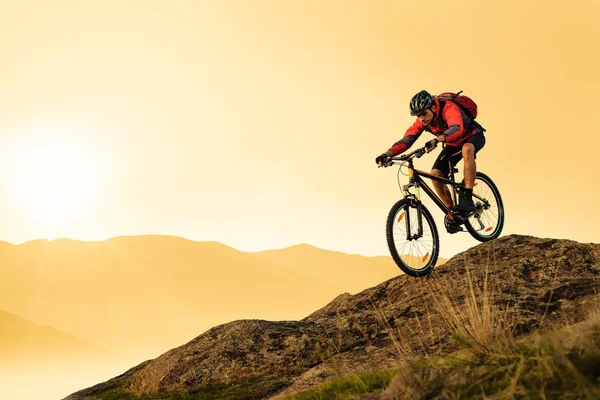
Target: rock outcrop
<point x="525" y="283"/>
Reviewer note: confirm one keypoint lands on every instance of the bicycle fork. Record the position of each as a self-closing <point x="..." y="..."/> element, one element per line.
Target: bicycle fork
<point x="419" y="217"/>
<point x="416" y="201"/>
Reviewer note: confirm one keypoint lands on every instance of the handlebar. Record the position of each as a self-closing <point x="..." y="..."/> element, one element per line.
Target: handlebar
<point x="432" y="144"/>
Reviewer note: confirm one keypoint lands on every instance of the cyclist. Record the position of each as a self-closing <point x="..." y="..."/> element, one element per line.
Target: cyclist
<point x="457" y="130"/>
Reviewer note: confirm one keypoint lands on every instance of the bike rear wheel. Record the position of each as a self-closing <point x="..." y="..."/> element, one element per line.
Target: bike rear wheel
<point x="488" y="223"/>
<point x="415" y="256"/>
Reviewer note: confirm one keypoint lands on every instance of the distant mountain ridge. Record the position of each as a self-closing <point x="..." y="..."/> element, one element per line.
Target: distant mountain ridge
<point x="146" y="284"/>
<point x="23" y="341"/>
<point x="336" y="267"/>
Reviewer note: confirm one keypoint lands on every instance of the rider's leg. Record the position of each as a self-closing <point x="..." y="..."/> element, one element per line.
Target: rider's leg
<point x="466" y="201"/>
<point x="441" y="169"/>
<point x="441" y="188"/>
<point x="468" y="153"/>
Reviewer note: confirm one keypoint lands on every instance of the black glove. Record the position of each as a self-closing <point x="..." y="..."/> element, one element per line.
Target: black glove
<point x="431" y="144"/>
<point x="381" y="159"/>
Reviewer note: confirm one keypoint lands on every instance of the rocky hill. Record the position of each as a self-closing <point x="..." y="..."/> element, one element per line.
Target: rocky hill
<point x="519" y="283"/>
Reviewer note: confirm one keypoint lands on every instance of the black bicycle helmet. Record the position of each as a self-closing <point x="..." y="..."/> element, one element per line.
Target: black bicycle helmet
<point x="420" y="102"/>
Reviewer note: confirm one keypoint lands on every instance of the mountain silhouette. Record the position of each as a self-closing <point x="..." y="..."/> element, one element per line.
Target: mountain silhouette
<point x="40" y="362"/>
<point x="22" y="341"/>
<point x="349" y="273"/>
<point x="158" y="291"/>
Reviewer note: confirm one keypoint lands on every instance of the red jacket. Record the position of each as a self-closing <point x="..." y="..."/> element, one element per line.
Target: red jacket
<point x="456" y="134"/>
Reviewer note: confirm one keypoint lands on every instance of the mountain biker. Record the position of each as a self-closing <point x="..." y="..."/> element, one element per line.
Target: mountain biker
<point x="463" y="134"/>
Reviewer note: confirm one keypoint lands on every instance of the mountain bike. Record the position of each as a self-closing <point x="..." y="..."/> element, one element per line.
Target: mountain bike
<point x="411" y="232"/>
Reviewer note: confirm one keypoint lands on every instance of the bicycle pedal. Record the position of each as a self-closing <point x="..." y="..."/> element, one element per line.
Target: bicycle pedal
<point x="454" y="229"/>
<point x="457" y="218"/>
<point x="453" y="225"/>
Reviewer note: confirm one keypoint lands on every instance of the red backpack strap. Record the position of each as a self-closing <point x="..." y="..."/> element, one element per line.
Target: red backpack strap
<point x="441" y="120"/>
<point x="448" y="95"/>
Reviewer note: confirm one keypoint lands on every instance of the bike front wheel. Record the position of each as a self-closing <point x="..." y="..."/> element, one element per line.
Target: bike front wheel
<point x="415" y="251"/>
<point x="486" y="224"/>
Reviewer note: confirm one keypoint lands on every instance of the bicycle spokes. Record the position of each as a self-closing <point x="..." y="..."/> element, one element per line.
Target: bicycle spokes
<point x="488" y="217"/>
<point x="413" y="238"/>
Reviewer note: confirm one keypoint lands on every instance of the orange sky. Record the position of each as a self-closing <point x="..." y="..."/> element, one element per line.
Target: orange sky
<point x="256" y="123"/>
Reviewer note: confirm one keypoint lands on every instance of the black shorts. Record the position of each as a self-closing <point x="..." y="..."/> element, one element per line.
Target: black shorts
<point x="441" y="163"/>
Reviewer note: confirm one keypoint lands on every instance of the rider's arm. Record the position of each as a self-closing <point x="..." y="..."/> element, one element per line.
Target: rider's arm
<point x="411" y="135"/>
<point x="454" y="119"/>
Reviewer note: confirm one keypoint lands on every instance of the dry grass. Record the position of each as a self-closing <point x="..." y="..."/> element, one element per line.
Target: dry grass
<point x="493" y="363"/>
<point x="474" y="319"/>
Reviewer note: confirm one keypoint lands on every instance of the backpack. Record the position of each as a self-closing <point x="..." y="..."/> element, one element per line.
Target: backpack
<point x="464" y="103"/>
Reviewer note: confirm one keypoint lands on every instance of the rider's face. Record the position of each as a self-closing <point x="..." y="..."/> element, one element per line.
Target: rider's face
<point x="426" y="117"/>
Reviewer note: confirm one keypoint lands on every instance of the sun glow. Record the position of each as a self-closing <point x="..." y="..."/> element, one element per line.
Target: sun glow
<point x="53" y="179"/>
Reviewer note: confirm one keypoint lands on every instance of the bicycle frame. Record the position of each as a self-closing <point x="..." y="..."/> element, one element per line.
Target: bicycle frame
<point x="415" y="180"/>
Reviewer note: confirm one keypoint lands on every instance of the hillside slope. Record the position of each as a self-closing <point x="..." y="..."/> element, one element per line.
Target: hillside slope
<point x="531" y="284"/>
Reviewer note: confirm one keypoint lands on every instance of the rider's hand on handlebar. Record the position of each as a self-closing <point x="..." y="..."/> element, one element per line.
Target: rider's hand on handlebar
<point x="434" y="142"/>
<point x="430" y="145"/>
<point x="380" y="160"/>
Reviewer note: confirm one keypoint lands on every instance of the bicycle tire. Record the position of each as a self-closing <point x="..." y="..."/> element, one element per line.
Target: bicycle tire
<point x="391" y="239"/>
<point x="500" y="219"/>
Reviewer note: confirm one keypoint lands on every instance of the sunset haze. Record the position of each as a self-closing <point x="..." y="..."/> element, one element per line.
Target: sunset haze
<point x="169" y="166"/>
<point x="256" y="124"/>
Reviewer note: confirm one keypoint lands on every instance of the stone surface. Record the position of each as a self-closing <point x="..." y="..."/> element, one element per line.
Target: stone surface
<point x="529" y="283"/>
